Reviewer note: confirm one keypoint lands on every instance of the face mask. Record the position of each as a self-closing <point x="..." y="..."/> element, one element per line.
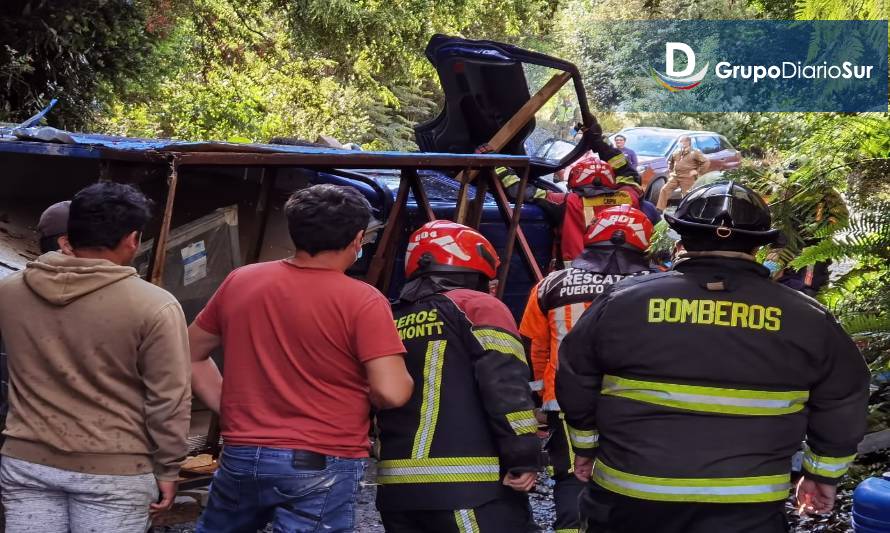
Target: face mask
<point x="772" y="266"/>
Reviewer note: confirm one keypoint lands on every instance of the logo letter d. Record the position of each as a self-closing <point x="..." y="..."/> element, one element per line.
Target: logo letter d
<point x="670" y="48"/>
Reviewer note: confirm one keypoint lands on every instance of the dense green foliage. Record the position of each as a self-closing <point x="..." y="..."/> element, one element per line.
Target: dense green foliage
<point x="240" y="69"/>
<point x="825" y="174"/>
<point x="258" y="69"/>
<point x="253" y="70"/>
<point x="80" y="51"/>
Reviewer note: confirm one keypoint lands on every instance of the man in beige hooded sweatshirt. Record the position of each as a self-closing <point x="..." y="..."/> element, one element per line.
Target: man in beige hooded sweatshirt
<point x="99" y="379"/>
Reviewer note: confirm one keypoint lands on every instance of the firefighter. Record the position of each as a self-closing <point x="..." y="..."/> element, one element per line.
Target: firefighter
<point x="614" y="248"/>
<point x="593" y="187"/>
<point x="699" y="384"/>
<point x="462" y="453"/>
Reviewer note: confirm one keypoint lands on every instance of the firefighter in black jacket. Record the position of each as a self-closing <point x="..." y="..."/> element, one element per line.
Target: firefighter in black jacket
<point x="700" y="383"/>
<point x="614" y="247"/>
<point x="462" y="453"/>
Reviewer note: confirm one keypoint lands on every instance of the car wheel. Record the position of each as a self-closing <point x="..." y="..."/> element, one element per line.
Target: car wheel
<point x="654" y="188"/>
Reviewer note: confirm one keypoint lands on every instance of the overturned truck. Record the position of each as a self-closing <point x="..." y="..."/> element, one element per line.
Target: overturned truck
<point x="219" y="205"/>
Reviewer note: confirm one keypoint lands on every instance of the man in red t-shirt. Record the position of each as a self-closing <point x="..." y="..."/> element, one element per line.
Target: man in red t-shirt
<point x="307" y="351"/>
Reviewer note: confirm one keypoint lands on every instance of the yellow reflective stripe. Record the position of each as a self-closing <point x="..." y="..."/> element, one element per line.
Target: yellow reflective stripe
<point x="439" y="461"/>
<point x="829" y="460"/>
<point x="418" y="479"/>
<point x="583" y="439"/>
<point x="704" y="490"/>
<point x="466" y="521"/>
<point x="522" y="422"/>
<point x="508" y="178"/>
<point x="500" y="341"/>
<point x="628" y="180"/>
<point x="706" y="399"/>
<point x="618" y="161"/>
<point x="565" y="429"/>
<point x="569" y="530"/>
<point x="821" y="465"/>
<point x="429" y="408"/>
<point x="539" y="194"/>
<point x="519" y="415"/>
<point x="438" y="470"/>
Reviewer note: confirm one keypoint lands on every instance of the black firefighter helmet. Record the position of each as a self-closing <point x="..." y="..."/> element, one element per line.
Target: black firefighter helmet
<point x="727" y="214"/>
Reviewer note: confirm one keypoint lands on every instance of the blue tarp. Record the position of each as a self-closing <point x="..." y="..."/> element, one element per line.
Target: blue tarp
<point x="95" y="146"/>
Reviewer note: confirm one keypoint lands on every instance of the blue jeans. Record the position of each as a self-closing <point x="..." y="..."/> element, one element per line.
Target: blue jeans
<point x="254" y="486"/>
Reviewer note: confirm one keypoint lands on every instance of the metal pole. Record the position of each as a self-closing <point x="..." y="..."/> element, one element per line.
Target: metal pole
<point x="157" y="273"/>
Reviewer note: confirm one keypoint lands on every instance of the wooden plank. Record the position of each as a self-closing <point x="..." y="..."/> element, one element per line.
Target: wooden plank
<point x="352" y="159"/>
<point x="157" y="273"/>
<point x="420" y="196"/>
<point x="460" y="215"/>
<point x="386" y="248"/>
<point x="521" y="118"/>
<point x="514" y="232"/>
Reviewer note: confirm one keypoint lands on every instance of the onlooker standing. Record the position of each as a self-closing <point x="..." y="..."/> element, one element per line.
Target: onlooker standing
<point x="631" y="156"/>
<point x="52" y="232"/>
<point x="99" y="367"/>
<point x="685" y="165"/>
<point x="307" y="350"/>
<point x="52" y="229"/>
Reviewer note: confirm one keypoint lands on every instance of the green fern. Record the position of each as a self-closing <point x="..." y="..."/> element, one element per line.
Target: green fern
<point x="866" y="236"/>
<point x="662" y="241"/>
<point x="866" y="323"/>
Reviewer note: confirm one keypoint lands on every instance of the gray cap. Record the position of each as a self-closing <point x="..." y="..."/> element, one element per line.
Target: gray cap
<point x="54" y="221"/>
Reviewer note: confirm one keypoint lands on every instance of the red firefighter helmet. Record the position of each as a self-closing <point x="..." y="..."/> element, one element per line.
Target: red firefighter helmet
<point x="591" y="172"/>
<point x="620" y="225"/>
<point x="445" y="246"/>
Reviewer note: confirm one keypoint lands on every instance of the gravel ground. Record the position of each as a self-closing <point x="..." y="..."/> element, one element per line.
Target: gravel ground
<point x="368" y="521"/>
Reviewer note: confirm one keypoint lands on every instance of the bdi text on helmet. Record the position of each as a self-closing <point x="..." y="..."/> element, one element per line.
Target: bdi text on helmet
<point x="793" y="70"/>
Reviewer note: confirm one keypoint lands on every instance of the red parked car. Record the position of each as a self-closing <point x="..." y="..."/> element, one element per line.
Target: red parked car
<point x="654" y="145"/>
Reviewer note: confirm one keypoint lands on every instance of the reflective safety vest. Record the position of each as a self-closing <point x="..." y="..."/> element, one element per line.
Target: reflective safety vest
<point x="699" y="384"/>
<point x="751" y="489"/>
<point x="581" y="211"/>
<point x="554" y="306"/>
<point x="470" y="419"/>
